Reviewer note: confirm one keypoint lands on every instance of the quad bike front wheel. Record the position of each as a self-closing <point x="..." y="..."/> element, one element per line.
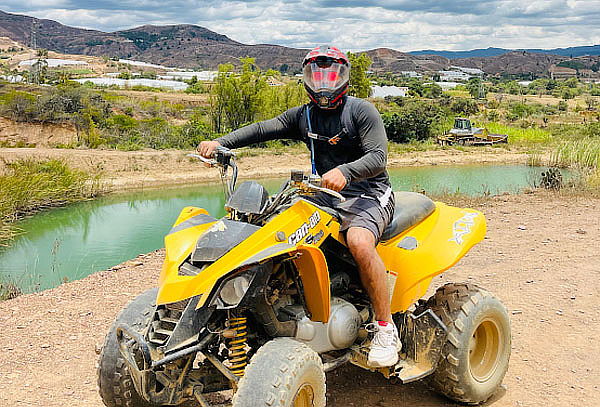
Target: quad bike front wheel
<point x="282" y="373"/>
<point x="114" y="381"/>
<point x="475" y="356"/>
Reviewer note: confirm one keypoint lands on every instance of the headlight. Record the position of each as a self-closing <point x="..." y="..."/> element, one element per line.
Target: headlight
<point x="231" y="292"/>
<point x="234" y="290"/>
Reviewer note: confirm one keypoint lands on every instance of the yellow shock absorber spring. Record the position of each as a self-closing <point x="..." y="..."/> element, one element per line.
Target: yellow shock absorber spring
<point x="237" y="346"/>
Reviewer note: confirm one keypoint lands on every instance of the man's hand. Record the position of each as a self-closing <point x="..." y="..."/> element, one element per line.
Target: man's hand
<point x="333" y="179"/>
<point x="207" y="148"/>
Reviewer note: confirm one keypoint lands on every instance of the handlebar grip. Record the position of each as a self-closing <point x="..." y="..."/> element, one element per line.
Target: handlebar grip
<point x="328" y="192"/>
<point x="204" y="160"/>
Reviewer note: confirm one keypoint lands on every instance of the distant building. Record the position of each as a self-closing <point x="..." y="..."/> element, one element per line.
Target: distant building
<point x="470" y="71"/>
<point x="54" y="62"/>
<point x="447" y="85"/>
<point x="383" y="91"/>
<point x="525" y="83"/>
<point x="561" y="72"/>
<point x="411" y="74"/>
<point x="187" y="75"/>
<point x="12" y="78"/>
<point x="453" y="76"/>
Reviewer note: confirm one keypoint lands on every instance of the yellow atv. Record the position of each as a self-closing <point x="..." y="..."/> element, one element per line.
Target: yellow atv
<point x="267" y="299"/>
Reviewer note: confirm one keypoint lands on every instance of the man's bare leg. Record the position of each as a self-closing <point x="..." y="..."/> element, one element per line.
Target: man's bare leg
<point x="361" y="243"/>
<point x="386" y="343"/>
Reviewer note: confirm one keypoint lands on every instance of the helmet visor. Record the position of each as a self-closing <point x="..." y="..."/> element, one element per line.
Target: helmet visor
<point x="325" y="75"/>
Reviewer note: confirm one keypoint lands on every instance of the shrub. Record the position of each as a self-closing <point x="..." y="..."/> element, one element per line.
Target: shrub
<point x="30" y="185"/>
<point x="413" y="121"/>
<point x="19" y="106"/>
<point x="464" y="106"/>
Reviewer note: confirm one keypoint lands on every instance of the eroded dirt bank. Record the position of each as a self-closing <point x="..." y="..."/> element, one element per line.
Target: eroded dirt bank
<point x="141" y="169"/>
<point x="540" y="257"/>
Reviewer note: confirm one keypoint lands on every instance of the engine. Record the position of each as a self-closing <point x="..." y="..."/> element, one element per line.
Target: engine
<point x="339" y="333"/>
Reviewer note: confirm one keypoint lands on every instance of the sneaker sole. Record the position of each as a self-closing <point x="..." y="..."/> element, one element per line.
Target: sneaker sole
<point x="383" y="363"/>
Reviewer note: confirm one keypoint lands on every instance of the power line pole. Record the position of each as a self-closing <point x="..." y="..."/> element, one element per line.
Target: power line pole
<point x="34" y="68"/>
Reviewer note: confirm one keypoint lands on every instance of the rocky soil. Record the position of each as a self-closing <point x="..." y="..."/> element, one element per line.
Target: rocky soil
<point x="540" y="257"/>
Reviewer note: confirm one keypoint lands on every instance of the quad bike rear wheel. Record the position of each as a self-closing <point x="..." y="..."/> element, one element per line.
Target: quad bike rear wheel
<point x="475" y="356"/>
<point x="114" y="380"/>
<point x="282" y="373"/>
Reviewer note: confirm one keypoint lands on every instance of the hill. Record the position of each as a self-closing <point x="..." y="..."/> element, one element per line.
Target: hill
<point x="186" y="46"/>
<point x="492" y="52"/>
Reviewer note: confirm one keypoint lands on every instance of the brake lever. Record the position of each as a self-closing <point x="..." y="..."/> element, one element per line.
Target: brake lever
<point x="212" y="163"/>
<point x="327" y="191"/>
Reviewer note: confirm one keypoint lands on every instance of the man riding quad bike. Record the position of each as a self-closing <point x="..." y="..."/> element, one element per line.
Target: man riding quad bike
<point x="329" y="270"/>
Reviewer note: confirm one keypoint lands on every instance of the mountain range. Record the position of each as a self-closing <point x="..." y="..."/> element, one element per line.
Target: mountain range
<point x="191" y="46"/>
<point x="571" y="52"/>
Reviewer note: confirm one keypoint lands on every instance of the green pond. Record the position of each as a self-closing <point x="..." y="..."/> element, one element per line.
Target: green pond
<point x="70" y="243"/>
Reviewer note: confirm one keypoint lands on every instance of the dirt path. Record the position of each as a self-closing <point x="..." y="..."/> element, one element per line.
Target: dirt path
<point x="540" y="257"/>
<point x="140" y="169"/>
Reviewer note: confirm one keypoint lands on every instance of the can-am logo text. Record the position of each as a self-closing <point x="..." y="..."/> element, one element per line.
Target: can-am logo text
<point x="302" y="231"/>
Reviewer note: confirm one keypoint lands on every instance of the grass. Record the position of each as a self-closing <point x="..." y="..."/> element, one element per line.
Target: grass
<point x="517" y="135"/>
<point x="583" y="156"/>
<point x="458" y="93"/>
<point x="28" y="186"/>
<point x="9" y="290"/>
<point x="582" y="153"/>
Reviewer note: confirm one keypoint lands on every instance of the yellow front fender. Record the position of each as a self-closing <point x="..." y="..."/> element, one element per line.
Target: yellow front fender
<point x="312" y="267"/>
<point x="262" y="245"/>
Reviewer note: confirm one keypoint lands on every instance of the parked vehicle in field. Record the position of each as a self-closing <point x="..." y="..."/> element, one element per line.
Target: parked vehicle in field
<point x="267" y="299"/>
<point x="463" y="133"/>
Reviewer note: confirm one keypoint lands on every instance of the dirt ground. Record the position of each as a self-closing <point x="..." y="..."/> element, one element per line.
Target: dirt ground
<point x="150" y="168"/>
<point x="540" y="258"/>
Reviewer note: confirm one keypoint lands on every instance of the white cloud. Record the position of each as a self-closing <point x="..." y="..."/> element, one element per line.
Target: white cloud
<point x="351" y="24"/>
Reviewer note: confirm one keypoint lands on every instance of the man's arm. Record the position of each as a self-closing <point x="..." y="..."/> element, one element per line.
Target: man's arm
<point x="374" y="145"/>
<point x="284" y="126"/>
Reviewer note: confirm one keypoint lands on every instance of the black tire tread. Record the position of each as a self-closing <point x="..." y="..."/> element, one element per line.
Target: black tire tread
<point x="269" y="377"/>
<point x="454" y="304"/>
<point x="114" y="381"/>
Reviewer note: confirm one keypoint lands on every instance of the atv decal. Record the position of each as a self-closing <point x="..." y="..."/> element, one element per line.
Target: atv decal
<point x="314" y="239"/>
<point x="218" y="227"/>
<point x="462" y="227"/>
<point x="391" y="282"/>
<point x="191" y="222"/>
<point x="302" y="231"/>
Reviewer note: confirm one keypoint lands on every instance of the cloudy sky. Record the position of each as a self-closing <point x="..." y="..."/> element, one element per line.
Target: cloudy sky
<point x="404" y="25"/>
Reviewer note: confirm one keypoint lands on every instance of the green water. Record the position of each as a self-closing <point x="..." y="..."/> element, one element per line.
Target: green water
<point x="70" y="243"/>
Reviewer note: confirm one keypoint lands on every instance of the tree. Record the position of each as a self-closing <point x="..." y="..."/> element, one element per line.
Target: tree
<point x="416" y="120"/>
<point x="476" y="88"/>
<point x="360" y="84"/>
<point x="432" y="91"/>
<point x="42" y="53"/>
<point x="464" y="106"/>
<point x="236" y="99"/>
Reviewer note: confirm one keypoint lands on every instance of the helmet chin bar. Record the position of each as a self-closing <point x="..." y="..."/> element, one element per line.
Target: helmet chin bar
<point x="327" y="100"/>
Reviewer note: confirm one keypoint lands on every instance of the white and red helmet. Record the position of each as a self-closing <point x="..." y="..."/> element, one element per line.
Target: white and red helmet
<point x="326" y="72"/>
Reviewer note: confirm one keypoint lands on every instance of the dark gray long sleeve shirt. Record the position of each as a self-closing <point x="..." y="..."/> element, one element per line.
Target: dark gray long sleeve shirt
<point x="360" y="153"/>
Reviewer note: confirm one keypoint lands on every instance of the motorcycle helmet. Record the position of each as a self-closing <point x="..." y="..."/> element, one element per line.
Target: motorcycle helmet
<point x="326" y="72"/>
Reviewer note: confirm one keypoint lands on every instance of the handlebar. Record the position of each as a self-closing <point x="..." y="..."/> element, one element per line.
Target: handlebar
<point x="222" y="156"/>
<point x="212" y="163"/>
<point x="307" y="183"/>
<point x="327" y="191"/>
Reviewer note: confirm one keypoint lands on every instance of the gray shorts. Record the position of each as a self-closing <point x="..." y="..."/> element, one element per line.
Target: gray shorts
<point x="362" y="211"/>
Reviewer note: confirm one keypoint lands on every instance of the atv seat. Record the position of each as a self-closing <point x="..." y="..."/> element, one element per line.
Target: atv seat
<point x="411" y="208"/>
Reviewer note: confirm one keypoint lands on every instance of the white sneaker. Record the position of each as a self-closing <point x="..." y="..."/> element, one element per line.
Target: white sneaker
<point x="385" y="345"/>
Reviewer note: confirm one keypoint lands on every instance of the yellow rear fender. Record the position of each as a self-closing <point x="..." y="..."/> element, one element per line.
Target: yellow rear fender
<point x="414" y="257"/>
<point x="300" y="229"/>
